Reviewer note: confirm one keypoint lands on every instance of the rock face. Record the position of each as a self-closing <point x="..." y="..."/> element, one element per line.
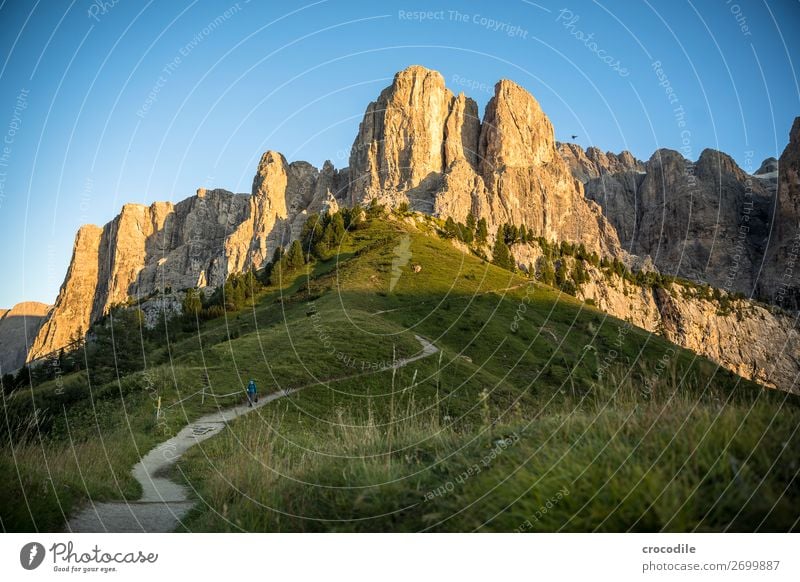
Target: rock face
<point x="419" y="144"/>
<point x="283" y="196"/>
<point x="18" y="327"/>
<point x="164" y="247"/>
<point x="781" y="281"/>
<point x="768" y="166"/>
<point x="707" y="221"/>
<point x="407" y="137"/>
<point x="746" y="338"/>
<point x="145" y="249"/>
<point x="593" y="163"/>
<point x="72" y="312"/>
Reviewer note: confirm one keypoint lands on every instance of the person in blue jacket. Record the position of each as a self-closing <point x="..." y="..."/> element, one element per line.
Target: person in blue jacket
<point x="252" y="395"/>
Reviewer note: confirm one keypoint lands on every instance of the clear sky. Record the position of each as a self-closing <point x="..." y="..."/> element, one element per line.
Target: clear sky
<point x="120" y="101"/>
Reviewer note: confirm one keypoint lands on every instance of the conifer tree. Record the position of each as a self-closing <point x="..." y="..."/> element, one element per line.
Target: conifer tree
<point x="502" y="256"/>
<point x="482" y="233"/>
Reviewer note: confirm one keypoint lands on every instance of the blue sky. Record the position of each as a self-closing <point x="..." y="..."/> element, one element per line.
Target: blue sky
<point x="107" y="103"/>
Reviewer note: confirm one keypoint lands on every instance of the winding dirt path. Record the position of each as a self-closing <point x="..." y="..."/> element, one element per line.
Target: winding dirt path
<point x="164" y="503"/>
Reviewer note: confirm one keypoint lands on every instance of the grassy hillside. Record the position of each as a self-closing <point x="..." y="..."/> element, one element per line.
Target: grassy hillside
<point x="539" y="413"/>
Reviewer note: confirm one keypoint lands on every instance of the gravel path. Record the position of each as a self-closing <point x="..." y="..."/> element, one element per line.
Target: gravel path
<point x="164" y="502"/>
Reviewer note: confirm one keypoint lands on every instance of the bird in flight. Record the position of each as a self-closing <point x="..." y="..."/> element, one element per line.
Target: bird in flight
<point x="574" y="137"/>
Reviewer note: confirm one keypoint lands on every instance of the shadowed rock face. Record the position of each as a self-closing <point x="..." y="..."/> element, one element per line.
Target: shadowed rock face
<point x="781" y="280"/>
<point x="18" y="327"/>
<point x="707" y="220"/>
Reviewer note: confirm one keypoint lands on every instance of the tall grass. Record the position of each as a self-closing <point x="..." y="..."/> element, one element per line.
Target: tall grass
<point x="606" y="461"/>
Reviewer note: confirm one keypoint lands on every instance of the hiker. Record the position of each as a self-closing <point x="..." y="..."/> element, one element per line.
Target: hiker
<point x="252" y="396"/>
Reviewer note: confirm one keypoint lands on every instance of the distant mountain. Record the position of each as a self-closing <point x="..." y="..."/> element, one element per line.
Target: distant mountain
<point x="707" y="220"/>
<point x="18" y="328"/>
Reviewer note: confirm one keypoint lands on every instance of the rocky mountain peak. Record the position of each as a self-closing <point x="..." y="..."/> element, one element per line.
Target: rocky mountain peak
<point x="271" y="169"/>
<point x="768" y="166"/>
<point x="593" y="163"/>
<point x="400" y="142"/>
<point x="794" y="134"/>
<point x="716" y="163"/>
<point x="515" y="132"/>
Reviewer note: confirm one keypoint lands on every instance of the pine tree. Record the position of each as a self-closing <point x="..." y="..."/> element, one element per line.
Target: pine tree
<point x="7" y="382"/>
<point x="353" y="217"/>
<point x="482" y="233"/>
<point x="191" y="303"/>
<point x="22" y="378"/>
<point x="250" y="283"/>
<point x="501" y="255"/>
<point x="579" y="274"/>
<point x="471" y="223"/>
<point x="276" y="255"/>
<point x="312" y="232"/>
<point x="294" y="257"/>
<point x="266" y="273"/>
<point x="513" y="234"/>
<point x="467" y="232"/>
<point x="450" y="228"/>
<point x="229" y="295"/>
<point x="336" y="229"/>
<point x="548" y="274"/>
<point x="561" y="273"/>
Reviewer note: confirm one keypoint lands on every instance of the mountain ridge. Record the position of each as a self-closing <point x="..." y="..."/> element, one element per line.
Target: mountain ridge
<point x="422" y="145"/>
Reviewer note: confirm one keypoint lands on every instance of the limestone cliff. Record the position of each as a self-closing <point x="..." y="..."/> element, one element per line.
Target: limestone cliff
<point x="72" y="310"/>
<point x="747" y="338"/>
<point x="751" y="339"/>
<point x="407" y="139"/>
<point x="143" y="250"/>
<point x="767" y="173"/>
<point x="420" y="144"/>
<point x="781" y="279"/>
<point x="707" y="221"/>
<point x="283" y="196"/>
<point x="147" y="250"/>
<point x="593" y="163"/>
